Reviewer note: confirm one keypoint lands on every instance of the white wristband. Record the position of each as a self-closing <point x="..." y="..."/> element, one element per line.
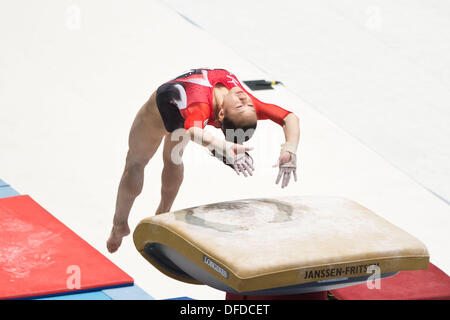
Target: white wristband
<point x="289" y="147"/>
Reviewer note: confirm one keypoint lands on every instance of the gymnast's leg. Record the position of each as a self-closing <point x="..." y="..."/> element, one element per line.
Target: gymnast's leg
<point x="173" y="171"/>
<point x="145" y="137"/>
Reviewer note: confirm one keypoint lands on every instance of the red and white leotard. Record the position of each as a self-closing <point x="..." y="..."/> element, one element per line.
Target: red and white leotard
<point x="195" y="100"/>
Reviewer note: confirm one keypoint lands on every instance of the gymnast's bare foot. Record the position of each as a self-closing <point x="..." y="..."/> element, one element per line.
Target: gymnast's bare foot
<point x="115" y="238"/>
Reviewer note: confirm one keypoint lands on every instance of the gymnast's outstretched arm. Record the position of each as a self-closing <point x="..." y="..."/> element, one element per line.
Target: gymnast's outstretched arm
<point x="287" y="162"/>
<point x="230" y="150"/>
<point x="291" y="130"/>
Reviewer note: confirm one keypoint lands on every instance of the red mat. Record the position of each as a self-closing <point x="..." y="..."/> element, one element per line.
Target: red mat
<point x="430" y="284"/>
<point x="41" y="256"/>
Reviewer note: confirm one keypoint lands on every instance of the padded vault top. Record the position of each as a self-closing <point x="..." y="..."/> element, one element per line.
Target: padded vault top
<point x="254" y="244"/>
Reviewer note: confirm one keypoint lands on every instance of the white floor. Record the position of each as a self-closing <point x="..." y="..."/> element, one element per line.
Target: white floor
<point x="74" y="73"/>
<point x="378" y="69"/>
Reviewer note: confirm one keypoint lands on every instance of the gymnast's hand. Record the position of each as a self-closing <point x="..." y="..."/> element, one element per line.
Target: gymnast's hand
<point x="237" y="158"/>
<point x="287" y="164"/>
<point x="244" y="164"/>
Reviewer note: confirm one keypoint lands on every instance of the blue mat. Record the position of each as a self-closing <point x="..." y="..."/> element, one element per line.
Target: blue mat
<point x="123" y="293"/>
<point x="128" y="293"/>
<point x="95" y="295"/>
<point x="7" y="191"/>
<point x="3" y="183"/>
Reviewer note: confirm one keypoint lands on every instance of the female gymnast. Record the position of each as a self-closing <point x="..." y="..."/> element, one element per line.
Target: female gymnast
<point x="183" y="107"/>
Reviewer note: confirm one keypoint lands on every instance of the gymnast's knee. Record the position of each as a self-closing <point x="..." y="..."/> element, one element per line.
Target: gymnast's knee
<point x="175" y="163"/>
<point x="133" y="179"/>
